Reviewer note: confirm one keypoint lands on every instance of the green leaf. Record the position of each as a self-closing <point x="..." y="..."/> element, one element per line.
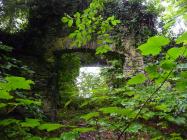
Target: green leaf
<point x="183" y="51"/>
<point x="49" y="127"/>
<point x="5" y="48"/>
<point x="2" y="105"/>
<point x="173" y="53"/>
<point x="70" y="22"/>
<point x="182" y="38"/>
<point x="178" y="120"/>
<point x="90" y="115"/>
<point x="119" y="111"/>
<point x="168" y="64"/>
<point x="109" y="110"/>
<point x="152" y="71"/>
<point x="154" y="45"/>
<point x="181" y="84"/>
<point x="5" y="95"/>
<point x="67" y="103"/>
<point x="78" y="22"/>
<point x="134" y="128"/>
<point x="14" y="82"/>
<point x="138" y="79"/>
<point x="30" y="123"/>
<point x="103" y="49"/>
<point x="69" y="136"/>
<point x="65" y="19"/>
<point x="148" y="115"/>
<point x="185" y="17"/>
<point x="169" y="24"/>
<point x="72" y="35"/>
<point x="77" y="15"/>
<point x="28" y="102"/>
<point x="84" y="130"/>
<point x="115" y="22"/>
<point x="163" y="107"/>
<point x="7" y="122"/>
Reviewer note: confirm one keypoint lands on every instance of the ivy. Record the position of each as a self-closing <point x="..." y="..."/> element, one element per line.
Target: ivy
<point x="152" y="101"/>
<point x="90" y="26"/>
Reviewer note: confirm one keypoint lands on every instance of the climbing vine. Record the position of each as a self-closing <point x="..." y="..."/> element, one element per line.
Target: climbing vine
<point x="91" y="26"/>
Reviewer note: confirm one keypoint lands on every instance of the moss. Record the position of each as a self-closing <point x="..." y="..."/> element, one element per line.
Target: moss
<point x="67" y="73"/>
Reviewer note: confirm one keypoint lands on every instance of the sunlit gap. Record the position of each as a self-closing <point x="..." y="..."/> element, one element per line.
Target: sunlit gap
<point x="180" y="25"/>
<point x="88" y="76"/>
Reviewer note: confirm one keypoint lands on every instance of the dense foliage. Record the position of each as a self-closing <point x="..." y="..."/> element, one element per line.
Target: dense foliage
<point x="41" y="97"/>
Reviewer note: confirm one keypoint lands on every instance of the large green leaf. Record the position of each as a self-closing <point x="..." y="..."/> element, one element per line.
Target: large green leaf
<point x="7" y="122"/>
<point x="49" y="127"/>
<point x="14" y="82"/>
<point x="90" y="115"/>
<point x="138" y="79"/>
<point x="5" y="95"/>
<point x="182" y="38"/>
<point x="154" y="45"/>
<point x="173" y="53"/>
<point x="30" y="123"/>
<point x="183" y="51"/>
